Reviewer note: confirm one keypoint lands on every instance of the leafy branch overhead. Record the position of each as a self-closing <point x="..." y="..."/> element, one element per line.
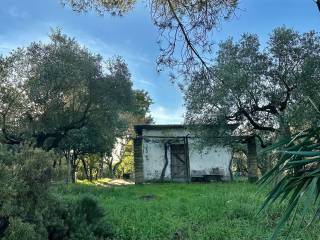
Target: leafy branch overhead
<point x="185" y="27"/>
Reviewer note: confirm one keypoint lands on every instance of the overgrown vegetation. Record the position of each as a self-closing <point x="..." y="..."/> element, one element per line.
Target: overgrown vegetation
<point x="63" y="111"/>
<point x="62" y="108"/>
<point x="220" y="211"/>
<point x="29" y="209"/>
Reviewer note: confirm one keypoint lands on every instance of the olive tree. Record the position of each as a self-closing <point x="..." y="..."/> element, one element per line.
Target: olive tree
<point x="262" y="91"/>
<point x="58" y="95"/>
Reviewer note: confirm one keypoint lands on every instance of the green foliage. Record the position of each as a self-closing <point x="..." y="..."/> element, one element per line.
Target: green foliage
<point x="296" y="176"/>
<point x="118" y="7"/>
<point x="127" y="162"/>
<point x="29" y="208"/>
<point x="18" y="229"/>
<point x="59" y="95"/>
<point x="80" y="218"/>
<point x="189" y="211"/>
<point x="24" y="181"/>
<point x="90" y="167"/>
<point x="143" y="102"/>
<point x="260" y="90"/>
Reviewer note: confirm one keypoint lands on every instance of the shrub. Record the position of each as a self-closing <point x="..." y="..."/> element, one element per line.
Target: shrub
<point x="79" y="219"/>
<point x="29" y="209"/>
<point x="24" y="182"/>
<point x="17" y="229"/>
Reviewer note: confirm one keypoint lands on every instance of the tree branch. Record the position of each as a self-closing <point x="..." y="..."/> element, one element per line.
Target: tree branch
<point x="255" y="124"/>
<point x="270" y="108"/>
<point x="318" y="4"/>
<point x="186" y="37"/>
<point x="62" y="131"/>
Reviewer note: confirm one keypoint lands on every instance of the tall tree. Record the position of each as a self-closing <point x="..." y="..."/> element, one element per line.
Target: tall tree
<point x="262" y="91"/>
<point x="58" y="95"/>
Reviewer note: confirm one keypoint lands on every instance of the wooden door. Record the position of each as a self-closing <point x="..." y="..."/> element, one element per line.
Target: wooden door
<point x="178" y="162"/>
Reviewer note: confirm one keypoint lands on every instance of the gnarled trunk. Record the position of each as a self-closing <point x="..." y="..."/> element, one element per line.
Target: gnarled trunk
<point x="252" y="160"/>
<point x="284" y="129"/>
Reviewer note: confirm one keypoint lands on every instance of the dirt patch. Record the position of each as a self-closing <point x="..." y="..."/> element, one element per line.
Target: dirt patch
<point x="148" y="197"/>
<point x="115" y="183"/>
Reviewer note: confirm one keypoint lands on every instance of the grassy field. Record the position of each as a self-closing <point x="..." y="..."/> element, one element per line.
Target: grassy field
<point x="218" y="211"/>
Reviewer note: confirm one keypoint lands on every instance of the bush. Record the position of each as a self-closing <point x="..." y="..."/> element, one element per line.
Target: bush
<point x="17" y="229"/>
<point x="24" y="182"/>
<point x="29" y="209"/>
<point x="79" y="219"/>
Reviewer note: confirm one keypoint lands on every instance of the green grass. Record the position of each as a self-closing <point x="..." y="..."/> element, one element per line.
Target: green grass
<point x="218" y="211"/>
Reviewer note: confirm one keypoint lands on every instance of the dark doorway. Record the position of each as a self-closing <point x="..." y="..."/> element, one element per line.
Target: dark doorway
<point x="179" y="164"/>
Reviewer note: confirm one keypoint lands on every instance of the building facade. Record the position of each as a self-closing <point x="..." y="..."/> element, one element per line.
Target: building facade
<point x="173" y="153"/>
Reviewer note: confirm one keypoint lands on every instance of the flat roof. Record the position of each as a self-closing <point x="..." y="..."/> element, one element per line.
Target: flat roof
<point x="138" y="128"/>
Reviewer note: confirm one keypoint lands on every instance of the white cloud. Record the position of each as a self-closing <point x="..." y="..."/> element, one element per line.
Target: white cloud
<point x="163" y="115"/>
<point x="144" y="82"/>
<point x="108" y="50"/>
<point x="17" y="13"/>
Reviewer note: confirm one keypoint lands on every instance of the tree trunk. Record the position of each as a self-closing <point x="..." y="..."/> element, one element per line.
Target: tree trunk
<point x="68" y="158"/>
<point x="85" y="168"/>
<point x="73" y="173"/>
<point x="110" y="172"/>
<point x="100" y="171"/>
<point x="284" y="129"/>
<point x="91" y="175"/>
<point x="73" y="167"/>
<point x="252" y="160"/>
<point x="115" y="167"/>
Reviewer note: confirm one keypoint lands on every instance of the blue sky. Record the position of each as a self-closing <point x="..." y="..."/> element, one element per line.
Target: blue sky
<point x="134" y="37"/>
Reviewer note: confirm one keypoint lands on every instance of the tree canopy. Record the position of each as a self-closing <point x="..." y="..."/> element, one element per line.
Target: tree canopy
<point x="52" y="91"/>
<point x="260" y="90"/>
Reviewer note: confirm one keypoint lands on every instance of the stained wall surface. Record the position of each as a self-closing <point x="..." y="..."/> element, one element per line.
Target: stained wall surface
<point x="202" y="161"/>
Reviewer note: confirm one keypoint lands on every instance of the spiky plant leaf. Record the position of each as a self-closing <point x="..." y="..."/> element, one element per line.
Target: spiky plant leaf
<point x="296" y="176"/>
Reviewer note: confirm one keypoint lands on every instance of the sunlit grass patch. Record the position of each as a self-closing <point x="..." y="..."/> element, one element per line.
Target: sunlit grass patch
<point x="95" y="182"/>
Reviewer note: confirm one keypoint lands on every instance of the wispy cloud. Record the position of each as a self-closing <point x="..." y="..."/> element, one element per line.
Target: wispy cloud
<point x="17" y="13"/>
<point x="144" y="82"/>
<point x="108" y="50"/>
<point x="163" y="115"/>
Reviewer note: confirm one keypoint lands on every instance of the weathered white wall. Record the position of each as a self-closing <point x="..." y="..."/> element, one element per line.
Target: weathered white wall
<point x="200" y="161"/>
<point x="209" y="158"/>
<point x="154" y="160"/>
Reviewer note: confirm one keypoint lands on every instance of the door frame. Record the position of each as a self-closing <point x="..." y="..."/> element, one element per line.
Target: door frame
<point x="186" y="158"/>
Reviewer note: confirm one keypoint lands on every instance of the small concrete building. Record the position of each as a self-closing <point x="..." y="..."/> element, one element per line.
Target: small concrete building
<point x="172" y="153"/>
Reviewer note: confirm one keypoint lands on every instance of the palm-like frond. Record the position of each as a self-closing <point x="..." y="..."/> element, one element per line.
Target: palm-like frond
<point x="296" y="175"/>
